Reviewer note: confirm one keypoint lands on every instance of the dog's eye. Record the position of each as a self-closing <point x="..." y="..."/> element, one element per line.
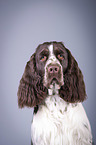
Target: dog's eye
<point x="43" y="58"/>
<point x="60" y="56"/>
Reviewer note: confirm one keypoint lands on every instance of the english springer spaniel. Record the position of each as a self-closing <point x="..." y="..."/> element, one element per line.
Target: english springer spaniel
<point x="53" y="84"/>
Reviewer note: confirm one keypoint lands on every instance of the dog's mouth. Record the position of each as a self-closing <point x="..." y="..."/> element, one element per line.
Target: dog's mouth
<point x="53" y="81"/>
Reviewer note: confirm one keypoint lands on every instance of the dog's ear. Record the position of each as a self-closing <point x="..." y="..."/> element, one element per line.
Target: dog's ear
<point x="31" y="91"/>
<point x="73" y="89"/>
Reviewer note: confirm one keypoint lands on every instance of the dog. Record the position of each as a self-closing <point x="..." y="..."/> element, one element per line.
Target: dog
<point x="52" y="83"/>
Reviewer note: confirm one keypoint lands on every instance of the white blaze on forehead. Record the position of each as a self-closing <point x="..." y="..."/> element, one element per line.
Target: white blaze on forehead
<point x="51" y="49"/>
<point x="52" y="57"/>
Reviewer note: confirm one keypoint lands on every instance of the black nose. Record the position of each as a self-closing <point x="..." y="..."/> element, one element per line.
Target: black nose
<point x="53" y="69"/>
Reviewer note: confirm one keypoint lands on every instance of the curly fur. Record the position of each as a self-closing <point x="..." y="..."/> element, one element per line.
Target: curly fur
<point x="73" y="89"/>
<point x="31" y="91"/>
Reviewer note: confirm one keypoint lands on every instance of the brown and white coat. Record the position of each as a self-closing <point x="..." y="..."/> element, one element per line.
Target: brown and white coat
<point x="53" y="84"/>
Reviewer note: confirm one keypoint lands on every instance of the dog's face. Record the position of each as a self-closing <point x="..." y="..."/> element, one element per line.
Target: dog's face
<point x="52" y="62"/>
<point x="51" y="66"/>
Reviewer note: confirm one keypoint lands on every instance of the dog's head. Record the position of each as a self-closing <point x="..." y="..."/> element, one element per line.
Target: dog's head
<point x="51" y="69"/>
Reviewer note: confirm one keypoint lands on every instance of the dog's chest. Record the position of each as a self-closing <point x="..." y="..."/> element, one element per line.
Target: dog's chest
<point x="54" y="123"/>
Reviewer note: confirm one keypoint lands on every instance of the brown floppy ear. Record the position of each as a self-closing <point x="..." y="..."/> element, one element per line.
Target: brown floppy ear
<point x="31" y="91"/>
<point x="73" y="89"/>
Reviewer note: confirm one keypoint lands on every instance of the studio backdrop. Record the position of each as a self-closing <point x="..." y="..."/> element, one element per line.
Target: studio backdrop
<point x="24" y="24"/>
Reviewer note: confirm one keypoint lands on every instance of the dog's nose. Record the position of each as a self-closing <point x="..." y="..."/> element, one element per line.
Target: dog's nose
<point x="53" y="69"/>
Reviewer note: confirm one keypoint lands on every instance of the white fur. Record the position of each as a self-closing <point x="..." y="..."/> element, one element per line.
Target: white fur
<point x="60" y="123"/>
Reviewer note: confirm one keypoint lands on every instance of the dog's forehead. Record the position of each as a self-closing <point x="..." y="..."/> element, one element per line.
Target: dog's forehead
<point x="50" y="46"/>
<point x="59" y="46"/>
<point x="42" y="47"/>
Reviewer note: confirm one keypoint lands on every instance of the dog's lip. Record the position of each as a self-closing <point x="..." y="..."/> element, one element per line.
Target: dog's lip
<point x="54" y="80"/>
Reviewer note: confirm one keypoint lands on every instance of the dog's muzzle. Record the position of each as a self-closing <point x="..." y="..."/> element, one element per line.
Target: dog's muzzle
<point x="54" y="74"/>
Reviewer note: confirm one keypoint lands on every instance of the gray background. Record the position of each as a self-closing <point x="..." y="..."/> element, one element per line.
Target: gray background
<point x="24" y="25"/>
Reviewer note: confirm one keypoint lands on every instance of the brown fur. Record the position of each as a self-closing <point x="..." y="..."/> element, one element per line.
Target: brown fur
<point x="31" y="91"/>
<point x="73" y="89"/>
